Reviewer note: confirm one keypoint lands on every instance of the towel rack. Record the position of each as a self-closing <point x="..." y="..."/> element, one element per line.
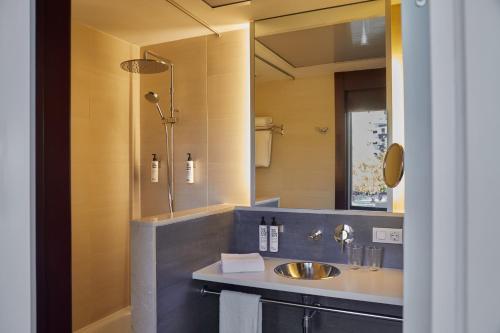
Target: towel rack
<point x="205" y="291"/>
<point x="274" y="128"/>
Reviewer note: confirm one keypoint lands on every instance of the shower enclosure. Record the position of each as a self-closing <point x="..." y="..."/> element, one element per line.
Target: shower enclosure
<point x="154" y="64"/>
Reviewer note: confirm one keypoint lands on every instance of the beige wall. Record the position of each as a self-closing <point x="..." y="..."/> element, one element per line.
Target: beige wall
<point x="302" y="170"/>
<point x="101" y="109"/>
<point x="397" y="96"/>
<point x="212" y="95"/>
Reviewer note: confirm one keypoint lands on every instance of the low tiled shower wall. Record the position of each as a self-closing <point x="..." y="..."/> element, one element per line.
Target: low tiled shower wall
<point x="165" y="253"/>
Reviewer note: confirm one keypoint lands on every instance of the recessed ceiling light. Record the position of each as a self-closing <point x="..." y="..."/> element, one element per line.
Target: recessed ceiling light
<point x="221" y="3"/>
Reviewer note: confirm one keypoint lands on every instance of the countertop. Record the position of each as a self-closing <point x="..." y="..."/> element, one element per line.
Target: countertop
<point x="382" y="286"/>
<point x="183" y="215"/>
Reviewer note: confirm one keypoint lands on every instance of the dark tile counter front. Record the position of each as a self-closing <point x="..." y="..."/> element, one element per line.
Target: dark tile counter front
<point x="284" y="319"/>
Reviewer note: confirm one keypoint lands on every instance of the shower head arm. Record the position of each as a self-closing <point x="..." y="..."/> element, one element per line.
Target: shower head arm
<point x="148" y="54"/>
<point x="158" y="108"/>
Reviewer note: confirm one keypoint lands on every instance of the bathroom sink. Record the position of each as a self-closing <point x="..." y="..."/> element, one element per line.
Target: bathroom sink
<point x="307" y="270"/>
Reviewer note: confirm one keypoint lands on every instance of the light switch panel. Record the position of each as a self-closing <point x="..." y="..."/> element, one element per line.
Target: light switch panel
<point x="388" y="235"/>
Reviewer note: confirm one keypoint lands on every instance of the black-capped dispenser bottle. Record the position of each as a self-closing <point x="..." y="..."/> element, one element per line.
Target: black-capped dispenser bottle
<point x="273" y="236"/>
<point x="263" y="235"/>
<point x="154" y="169"/>
<point x="189" y="170"/>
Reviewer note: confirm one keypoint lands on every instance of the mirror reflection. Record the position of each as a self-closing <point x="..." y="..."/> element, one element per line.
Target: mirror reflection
<point x="322" y="123"/>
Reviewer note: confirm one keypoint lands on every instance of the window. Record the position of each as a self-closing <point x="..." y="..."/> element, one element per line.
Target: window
<point x="361" y="136"/>
<point x="367" y="137"/>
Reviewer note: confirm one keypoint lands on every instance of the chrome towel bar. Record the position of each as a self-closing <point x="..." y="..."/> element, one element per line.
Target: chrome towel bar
<point x="204" y="292"/>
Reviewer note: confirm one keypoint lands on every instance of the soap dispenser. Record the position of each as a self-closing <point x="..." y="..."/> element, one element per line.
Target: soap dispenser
<point x="154" y="169"/>
<point x="189" y="170"/>
<point x="273" y="236"/>
<point x="263" y="235"/>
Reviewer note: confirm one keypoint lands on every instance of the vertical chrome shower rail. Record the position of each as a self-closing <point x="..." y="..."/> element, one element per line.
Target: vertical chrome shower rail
<point x="172" y="116"/>
<point x="171" y="120"/>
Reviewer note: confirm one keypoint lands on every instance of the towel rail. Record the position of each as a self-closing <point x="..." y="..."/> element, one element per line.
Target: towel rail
<point x="204" y="291"/>
<point x="274" y="128"/>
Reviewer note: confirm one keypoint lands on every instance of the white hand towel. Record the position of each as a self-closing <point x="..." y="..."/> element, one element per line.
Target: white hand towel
<point x="263" y="144"/>
<point x="263" y="122"/>
<point x="239" y="313"/>
<point x="238" y="263"/>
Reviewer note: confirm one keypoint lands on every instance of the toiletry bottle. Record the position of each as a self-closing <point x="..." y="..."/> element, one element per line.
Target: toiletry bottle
<point x="273" y="236"/>
<point x="154" y="169"/>
<point x="263" y="235"/>
<point x="189" y="170"/>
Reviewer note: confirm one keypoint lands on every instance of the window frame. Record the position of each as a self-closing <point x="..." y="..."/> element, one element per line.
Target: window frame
<point x="344" y="83"/>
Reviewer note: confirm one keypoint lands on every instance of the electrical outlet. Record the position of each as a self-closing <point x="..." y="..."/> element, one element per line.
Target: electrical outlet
<point x="388" y="235"/>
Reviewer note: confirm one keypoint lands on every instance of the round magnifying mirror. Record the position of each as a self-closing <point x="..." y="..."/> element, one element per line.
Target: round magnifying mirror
<point x="394" y="165"/>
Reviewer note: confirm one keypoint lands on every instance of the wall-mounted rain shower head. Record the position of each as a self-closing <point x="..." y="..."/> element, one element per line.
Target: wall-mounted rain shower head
<point x="145" y="66"/>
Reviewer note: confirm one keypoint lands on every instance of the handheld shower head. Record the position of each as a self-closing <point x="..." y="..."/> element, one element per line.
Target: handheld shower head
<point x="154" y="98"/>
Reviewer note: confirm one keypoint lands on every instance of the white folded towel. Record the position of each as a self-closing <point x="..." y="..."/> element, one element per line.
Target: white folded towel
<point x="239" y="313"/>
<point x="263" y="122"/>
<point x="263" y="145"/>
<point x="238" y="263"/>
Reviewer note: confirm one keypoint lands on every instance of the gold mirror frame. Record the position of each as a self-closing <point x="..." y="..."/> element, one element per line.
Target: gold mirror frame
<point x="393" y="177"/>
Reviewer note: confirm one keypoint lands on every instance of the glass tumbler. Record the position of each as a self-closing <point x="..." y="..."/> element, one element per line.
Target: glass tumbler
<point x="373" y="257"/>
<point x="354" y="255"/>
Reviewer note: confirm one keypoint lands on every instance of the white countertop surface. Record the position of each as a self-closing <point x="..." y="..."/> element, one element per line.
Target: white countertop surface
<point x="183" y="215"/>
<point x="382" y="286"/>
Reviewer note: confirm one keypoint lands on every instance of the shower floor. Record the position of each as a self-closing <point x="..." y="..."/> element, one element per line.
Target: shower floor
<point x="118" y="322"/>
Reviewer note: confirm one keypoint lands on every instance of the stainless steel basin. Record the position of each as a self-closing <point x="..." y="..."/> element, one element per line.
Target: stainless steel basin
<point x="307" y="270"/>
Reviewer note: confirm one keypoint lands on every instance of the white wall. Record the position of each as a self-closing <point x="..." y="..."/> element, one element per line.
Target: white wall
<point x="16" y="152"/>
<point x="482" y="179"/>
<point x="452" y="225"/>
<point x="418" y="195"/>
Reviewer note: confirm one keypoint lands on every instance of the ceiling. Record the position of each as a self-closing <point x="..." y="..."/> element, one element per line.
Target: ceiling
<point x="322" y="42"/>
<point x="147" y="22"/>
<point x="349" y="41"/>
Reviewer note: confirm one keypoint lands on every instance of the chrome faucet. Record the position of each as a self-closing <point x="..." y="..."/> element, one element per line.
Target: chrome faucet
<point x="315" y="235"/>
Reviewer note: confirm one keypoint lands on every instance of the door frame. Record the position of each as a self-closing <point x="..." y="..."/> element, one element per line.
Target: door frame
<point x="53" y="183"/>
<point x="435" y="241"/>
<point x="429" y="247"/>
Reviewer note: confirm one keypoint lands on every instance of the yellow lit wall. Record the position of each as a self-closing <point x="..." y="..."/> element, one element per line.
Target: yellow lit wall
<point x="101" y="175"/>
<point x="397" y="95"/>
<point x="212" y="95"/>
<point x="302" y="171"/>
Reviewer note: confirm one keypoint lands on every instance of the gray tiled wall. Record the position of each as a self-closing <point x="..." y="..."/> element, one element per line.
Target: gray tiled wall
<point x="181" y="249"/>
<point x="294" y="243"/>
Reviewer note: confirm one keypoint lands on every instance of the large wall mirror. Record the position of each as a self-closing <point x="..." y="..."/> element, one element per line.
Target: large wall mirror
<point x="322" y="119"/>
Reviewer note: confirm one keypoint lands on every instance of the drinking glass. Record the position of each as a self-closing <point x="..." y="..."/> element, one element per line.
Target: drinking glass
<point x="373" y="257"/>
<point x="354" y="255"/>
